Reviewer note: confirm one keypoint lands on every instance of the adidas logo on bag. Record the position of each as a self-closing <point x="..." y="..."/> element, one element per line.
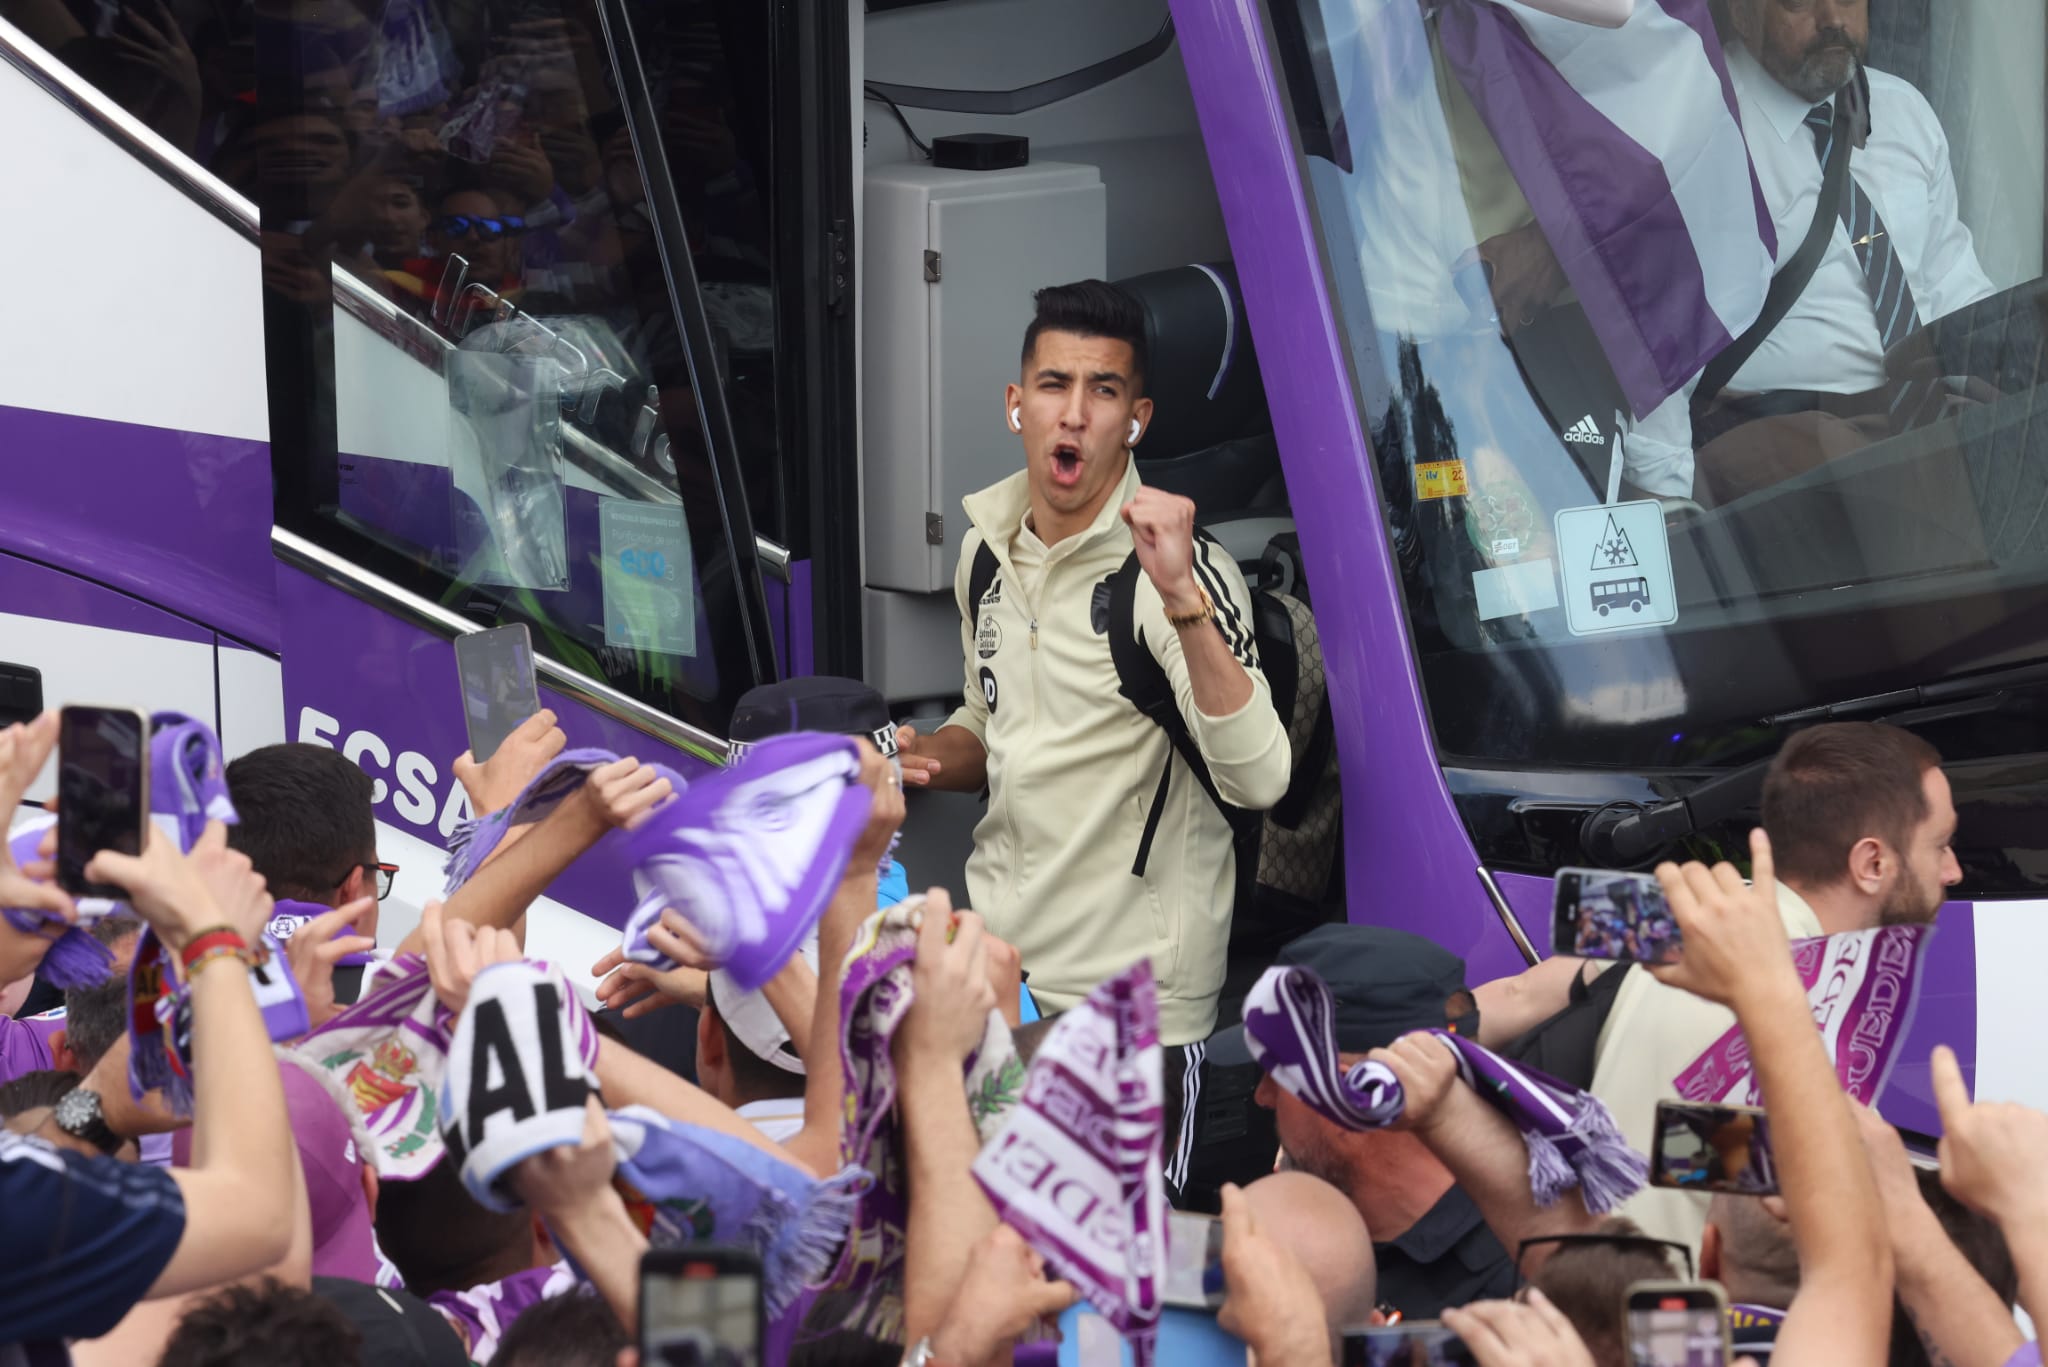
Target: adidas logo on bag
<point x="1585" y="432"/>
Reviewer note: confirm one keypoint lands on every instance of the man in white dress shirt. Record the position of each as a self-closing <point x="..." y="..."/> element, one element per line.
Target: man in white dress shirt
<point x="1898" y="248"/>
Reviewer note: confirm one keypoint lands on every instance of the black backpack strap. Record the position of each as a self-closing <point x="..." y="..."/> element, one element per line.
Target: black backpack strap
<point x="979" y="577"/>
<point x="1567" y="1045"/>
<point x="1143" y="683"/>
<point x="1788" y="284"/>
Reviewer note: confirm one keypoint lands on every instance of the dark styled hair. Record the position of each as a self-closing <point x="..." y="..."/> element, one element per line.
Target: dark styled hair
<point x="1091" y="308"/>
<point x="43" y="1087"/>
<point x="305" y="817"/>
<point x="440" y="1239"/>
<point x="572" y="1330"/>
<point x="1833" y="785"/>
<point x="95" y="1017"/>
<point x="260" y="1326"/>
<point x="755" y="1078"/>
<point x="1589" y="1284"/>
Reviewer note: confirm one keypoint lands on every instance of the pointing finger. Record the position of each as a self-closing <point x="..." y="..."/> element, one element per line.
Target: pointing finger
<point x="1951" y="1092"/>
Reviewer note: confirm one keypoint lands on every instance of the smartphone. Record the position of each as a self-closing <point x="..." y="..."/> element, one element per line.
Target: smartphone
<point x="1677" y="1324"/>
<point x="102" y="791"/>
<point x="1194" y="1261"/>
<point x="21" y="693"/>
<point x="1422" y="1343"/>
<point x="1713" y="1148"/>
<point x="700" y="1306"/>
<point x="1601" y="914"/>
<point x="498" y="689"/>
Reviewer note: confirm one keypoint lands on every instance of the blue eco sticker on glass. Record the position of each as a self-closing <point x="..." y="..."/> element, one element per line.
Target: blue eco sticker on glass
<point x="645" y="550"/>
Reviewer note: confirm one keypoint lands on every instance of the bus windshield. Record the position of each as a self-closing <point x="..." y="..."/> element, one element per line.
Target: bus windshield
<point x="1700" y="356"/>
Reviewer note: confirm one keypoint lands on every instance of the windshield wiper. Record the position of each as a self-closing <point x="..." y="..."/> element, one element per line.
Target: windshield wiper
<point x="1920" y="695"/>
<point x="1622" y="836"/>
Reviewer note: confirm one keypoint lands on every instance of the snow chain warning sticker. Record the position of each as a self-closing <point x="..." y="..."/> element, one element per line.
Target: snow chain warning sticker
<point x="1615" y="562"/>
<point x="1440" y="479"/>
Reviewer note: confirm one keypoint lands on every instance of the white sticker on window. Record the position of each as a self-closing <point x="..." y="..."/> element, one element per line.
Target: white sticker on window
<point x="1615" y="560"/>
<point x="645" y="550"/>
<point x="1515" y="590"/>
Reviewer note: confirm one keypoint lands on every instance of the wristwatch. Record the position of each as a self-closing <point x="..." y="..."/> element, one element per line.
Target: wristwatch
<point x="78" y="1114"/>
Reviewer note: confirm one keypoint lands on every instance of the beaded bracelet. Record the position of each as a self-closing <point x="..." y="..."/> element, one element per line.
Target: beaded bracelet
<point x="208" y="939"/>
<point x="218" y="950"/>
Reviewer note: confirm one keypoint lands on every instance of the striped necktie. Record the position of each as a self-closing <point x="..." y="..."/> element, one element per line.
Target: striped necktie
<point x="1883" y="273"/>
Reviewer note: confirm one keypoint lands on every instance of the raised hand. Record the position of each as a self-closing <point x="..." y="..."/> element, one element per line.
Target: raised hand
<point x="24" y="748"/>
<point x="1427" y="1071"/>
<point x="179" y="894"/>
<point x="1163" y="533"/>
<point x="1271" y="1301"/>
<point x="624" y="791"/>
<point x="1734" y="941"/>
<point x="639" y="988"/>
<point x="1534" y="1333"/>
<point x="532" y="746"/>
<point x="1992" y="1152"/>
<point x="885" y="812"/>
<point x="317" y="947"/>
<point x="459" y="950"/>
<point x="565" y="1179"/>
<point x="950" y="991"/>
<point x="914" y="753"/>
<point x="1002" y="1294"/>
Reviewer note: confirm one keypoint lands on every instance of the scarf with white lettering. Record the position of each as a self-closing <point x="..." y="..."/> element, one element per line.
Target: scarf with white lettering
<point x="751" y="856"/>
<point x="388" y="1053"/>
<point x="1289" y="1021"/>
<point x="1863" y="986"/>
<point x="687" y="1184"/>
<point x="521" y="1064"/>
<point x="873" y="999"/>
<point x="1076" y="1169"/>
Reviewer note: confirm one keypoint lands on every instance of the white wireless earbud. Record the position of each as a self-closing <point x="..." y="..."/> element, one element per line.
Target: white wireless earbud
<point x="1136" y="428"/>
<point x="1016" y="420"/>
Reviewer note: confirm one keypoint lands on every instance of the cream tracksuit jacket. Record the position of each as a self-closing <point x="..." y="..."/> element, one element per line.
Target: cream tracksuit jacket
<point x="1073" y="768"/>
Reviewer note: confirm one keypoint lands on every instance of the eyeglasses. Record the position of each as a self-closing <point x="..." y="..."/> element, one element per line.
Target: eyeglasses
<point x="1662" y="1248"/>
<point x="383" y="874"/>
<point x="464" y="225"/>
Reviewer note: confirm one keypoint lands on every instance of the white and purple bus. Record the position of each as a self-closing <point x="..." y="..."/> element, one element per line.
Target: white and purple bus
<point x="337" y="329"/>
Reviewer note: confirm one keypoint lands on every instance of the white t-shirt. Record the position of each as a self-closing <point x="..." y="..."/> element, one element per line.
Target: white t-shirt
<point x="779" y="1117"/>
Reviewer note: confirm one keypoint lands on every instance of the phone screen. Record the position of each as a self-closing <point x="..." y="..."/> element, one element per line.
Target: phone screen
<point x="700" y="1308"/>
<point x="1601" y="914"/>
<point x="102" y="791"/>
<point x="1677" y="1327"/>
<point x="498" y="690"/>
<point x="1194" y="1260"/>
<point x="1424" y="1343"/>
<point x="1714" y="1148"/>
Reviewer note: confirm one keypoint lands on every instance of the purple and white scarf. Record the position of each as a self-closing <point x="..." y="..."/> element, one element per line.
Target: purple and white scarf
<point x="751" y="856"/>
<point x="1076" y="1169"/>
<point x="160" y="1015"/>
<point x="1863" y="986"/>
<point x="388" y="1053"/>
<point x="1572" y="1139"/>
<point x="873" y="999"/>
<point x="288" y="918"/>
<point x="74" y="958"/>
<point x="685" y="1184"/>
<point x="473" y="840"/>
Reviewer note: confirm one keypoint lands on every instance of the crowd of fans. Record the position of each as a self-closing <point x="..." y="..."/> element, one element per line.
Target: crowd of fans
<point x="283" y="1223"/>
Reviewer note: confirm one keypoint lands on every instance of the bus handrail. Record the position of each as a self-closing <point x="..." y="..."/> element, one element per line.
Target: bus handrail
<point x="141" y="141"/>
<point x="352" y="579"/>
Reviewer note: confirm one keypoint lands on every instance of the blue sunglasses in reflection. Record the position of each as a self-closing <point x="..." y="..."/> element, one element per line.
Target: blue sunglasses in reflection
<point x="463" y="225"/>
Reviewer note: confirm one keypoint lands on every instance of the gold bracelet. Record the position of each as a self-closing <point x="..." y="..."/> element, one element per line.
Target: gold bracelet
<point x="207" y="956"/>
<point x="1194" y="619"/>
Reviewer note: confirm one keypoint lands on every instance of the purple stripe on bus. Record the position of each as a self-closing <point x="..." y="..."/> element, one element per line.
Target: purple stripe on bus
<point x="175" y="518"/>
<point x="1410" y="862"/>
<point x="392" y="694"/>
<point x="33" y="590"/>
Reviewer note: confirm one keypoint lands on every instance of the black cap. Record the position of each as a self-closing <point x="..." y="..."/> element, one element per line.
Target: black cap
<point x="398" y="1328"/>
<point x="1385" y="983"/>
<point x="843" y="707"/>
